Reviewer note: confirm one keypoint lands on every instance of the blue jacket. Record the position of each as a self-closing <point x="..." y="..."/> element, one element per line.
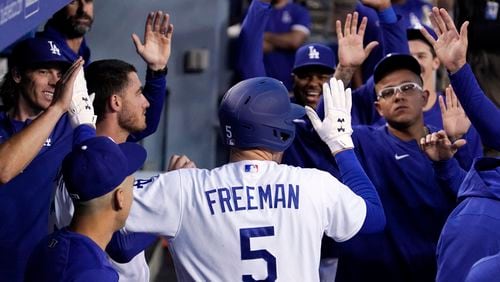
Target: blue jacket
<point x="485" y="270"/>
<point x="69" y="256"/>
<point x="473" y="229"/>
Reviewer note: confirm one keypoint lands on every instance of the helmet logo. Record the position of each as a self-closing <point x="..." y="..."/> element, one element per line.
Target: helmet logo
<point x="229" y="136"/>
<point x="313" y="53"/>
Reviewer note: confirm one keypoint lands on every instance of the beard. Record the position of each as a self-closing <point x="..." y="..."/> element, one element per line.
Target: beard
<point x="75" y="28"/>
<point x="71" y="26"/>
<point x="131" y="123"/>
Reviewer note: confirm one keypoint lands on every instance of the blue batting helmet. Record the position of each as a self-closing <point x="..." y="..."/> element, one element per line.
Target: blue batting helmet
<point x="257" y="113"/>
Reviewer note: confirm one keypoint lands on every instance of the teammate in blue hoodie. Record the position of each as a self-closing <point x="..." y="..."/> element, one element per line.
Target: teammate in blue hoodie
<point x="473" y="229"/>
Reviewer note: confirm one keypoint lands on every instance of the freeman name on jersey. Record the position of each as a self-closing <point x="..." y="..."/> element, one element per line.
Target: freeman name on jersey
<point x="240" y="198"/>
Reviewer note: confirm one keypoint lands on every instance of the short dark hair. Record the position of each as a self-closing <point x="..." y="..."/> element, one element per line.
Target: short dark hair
<point x="105" y="78"/>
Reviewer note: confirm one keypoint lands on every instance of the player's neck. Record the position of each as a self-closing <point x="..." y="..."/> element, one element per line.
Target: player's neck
<point x="74" y="43"/>
<point x="110" y="128"/>
<point x="413" y="132"/>
<point x="432" y="93"/>
<point x="237" y="155"/>
<point x="23" y="111"/>
<point x="94" y="226"/>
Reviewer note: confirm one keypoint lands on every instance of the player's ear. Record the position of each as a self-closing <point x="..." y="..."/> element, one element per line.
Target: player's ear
<point x="16" y="75"/>
<point x="425" y="97"/>
<point x="119" y="199"/>
<point x="379" y="108"/>
<point x="115" y="103"/>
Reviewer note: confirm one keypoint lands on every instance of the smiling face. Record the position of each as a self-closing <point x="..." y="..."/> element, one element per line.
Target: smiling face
<point x="308" y="87"/>
<point x="401" y="110"/>
<point x="132" y="115"/>
<point x="37" y="88"/>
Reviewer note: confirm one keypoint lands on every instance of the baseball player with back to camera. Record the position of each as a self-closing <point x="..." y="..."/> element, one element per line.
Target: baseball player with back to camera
<point x="253" y="218"/>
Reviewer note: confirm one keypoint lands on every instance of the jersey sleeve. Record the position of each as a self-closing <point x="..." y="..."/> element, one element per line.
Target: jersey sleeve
<point x="345" y="211"/>
<point x="63" y="205"/>
<point x="302" y="20"/>
<point x="157" y="205"/>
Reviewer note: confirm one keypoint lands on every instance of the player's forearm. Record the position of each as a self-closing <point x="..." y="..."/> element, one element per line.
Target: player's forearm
<point x="393" y="33"/>
<point x="288" y="41"/>
<point x="124" y="247"/>
<point x="344" y="73"/>
<point x="481" y="111"/>
<point x="449" y="174"/>
<point x="250" y="61"/>
<point x="18" y="151"/>
<point x="353" y="175"/>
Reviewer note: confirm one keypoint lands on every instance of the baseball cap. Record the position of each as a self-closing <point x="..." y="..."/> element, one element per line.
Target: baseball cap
<point x="413" y="33"/>
<point x="98" y="165"/>
<point x="393" y="62"/>
<point x="36" y="51"/>
<point x="314" y="55"/>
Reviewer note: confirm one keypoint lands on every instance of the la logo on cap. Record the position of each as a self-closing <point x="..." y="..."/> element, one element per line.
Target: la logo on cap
<point x="313" y="53"/>
<point x="54" y="49"/>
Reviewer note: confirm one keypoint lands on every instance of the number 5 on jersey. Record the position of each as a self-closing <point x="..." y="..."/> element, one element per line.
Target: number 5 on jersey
<point x="249" y="254"/>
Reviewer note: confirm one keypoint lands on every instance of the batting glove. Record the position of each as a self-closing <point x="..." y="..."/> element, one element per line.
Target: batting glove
<point x="81" y="110"/>
<point x="335" y="130"/>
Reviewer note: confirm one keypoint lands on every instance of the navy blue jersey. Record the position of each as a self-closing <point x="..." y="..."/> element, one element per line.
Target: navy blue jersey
<point x="292" y="17"/>
<point x="416" y="204"/>
<point x="25" y="200"/>
<point x="69" y="256"/>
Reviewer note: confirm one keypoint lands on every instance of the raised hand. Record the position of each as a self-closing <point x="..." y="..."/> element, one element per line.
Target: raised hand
<point x="64" y="87"/>
<point x="351" y="51"/>
<point x="157" y="40"/>
<point x="455" y="121"/>
<point x="450" y="46"/>
<point x="335" y="130"/>
<point x="438" y="147"/>
<point x="81" y="110"/>
<point x="178" y="162"/>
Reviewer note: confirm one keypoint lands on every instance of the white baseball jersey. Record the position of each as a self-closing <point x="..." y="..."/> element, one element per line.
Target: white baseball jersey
<point x="249" y="219"/>
<point x="136" y="270"/>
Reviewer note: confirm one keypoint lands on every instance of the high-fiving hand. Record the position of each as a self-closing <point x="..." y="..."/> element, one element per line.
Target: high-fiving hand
<point x="450" y="46"/>
<point x="335" y="130"/>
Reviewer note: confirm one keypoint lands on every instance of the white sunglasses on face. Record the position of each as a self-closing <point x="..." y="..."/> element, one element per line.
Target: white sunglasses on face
<point x="403" y="88"/>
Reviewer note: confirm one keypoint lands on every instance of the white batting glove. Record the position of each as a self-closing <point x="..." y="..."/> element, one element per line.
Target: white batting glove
<point x="335" y="130"/>
<point x="81" y="110"/>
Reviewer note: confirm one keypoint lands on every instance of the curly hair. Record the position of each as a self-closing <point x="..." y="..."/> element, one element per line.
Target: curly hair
<point x="8" y="91"/>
